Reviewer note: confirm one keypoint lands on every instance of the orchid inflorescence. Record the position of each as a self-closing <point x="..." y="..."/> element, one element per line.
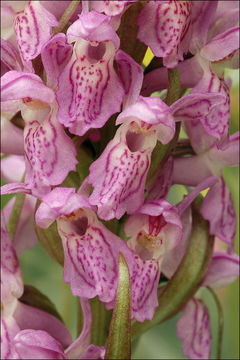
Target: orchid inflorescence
<point x="93" y="141"/>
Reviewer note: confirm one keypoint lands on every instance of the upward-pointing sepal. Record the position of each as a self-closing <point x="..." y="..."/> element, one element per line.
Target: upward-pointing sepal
<point x="33" y="27"/>
<point x="163" y="26"/>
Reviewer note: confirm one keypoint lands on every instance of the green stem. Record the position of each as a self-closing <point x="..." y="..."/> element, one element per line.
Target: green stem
<point x="174" y="87"/>
<point x="80" y="315"/>
<point x="220" y="322"/>
<point x="100" y="322"/>
<point x="187" y="279"/>
<point x="15" y="214"/>
<point x="68" y="13"/>
<point x="161" y="152"/>
<point x="128" y="32"/>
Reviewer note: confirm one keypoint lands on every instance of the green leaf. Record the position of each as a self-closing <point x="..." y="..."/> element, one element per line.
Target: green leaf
<point x="72" y="180"/>
<point x="161" y="152"/>
<point x="33" y="297"/>
<point x="186" y="280"/>
<point x="119" y="340"/>
<point x="220" y="322"/>
<point x="84" y="161"/>
<point x="51" y="242"/>
<point x="15" y="215"/>
<point x="75" y="178"/>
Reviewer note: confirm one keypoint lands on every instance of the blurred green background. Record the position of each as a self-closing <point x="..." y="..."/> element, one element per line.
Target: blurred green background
<point x="161" y="342"/>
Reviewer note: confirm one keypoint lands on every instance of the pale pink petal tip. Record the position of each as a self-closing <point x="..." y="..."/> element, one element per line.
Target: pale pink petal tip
<point x="223" y="269"/>
<point x="37" y="344"/>
<point x="218" y="209"/>
<point x="193" y="328"/>
<point x="11" y="276"/>
<point x="93" y="352"/>
<point x="59" y="202"/>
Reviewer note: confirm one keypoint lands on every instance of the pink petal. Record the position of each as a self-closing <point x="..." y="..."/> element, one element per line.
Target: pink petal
<point x="144" y="284"/>
<point x="14" y="5"/>
<point x="173" y="258"/>
<point x="218" y="209"/>
<point x="37" y="344"/>
<point x="111" y="8"/>
<point x="202" y="15"/>
<point x="159" y="189"/>
<point x="9" y="56"/>
<point x="9" y="329"/>
<point x="11" y="276"/>
<point x="76" y="349"/>
<point x="50" y="154"/>
<point x="12" y="168"/>
<point x="89" y="90"/>
<point x="60" y="201"/>
<point x="228" y="155"/>
<point x="223" y="269"/>
<point x="151" y="111"/>
<point x="226" y="16"/>
<point x="93" y="352"/>
<point x="15" y="188"/>
<point x="193" y="328"/>
<point x="119" y="174"/>
<point x="93" y="26"/>
<point x="190" y="73"/>
<point x="91" y="255"/>
<point x="144" y="275"/>
<point x="7" y="19"/>
<point x="33" y="27"/>
<point x="216" y="123"/>
<point x="222" y="45"/>
<point x="55" y="54"/>
<point x="154" y="230"/>
<point x="163" y="26"/>
<point x="131" y="75"/>
<point x="190" y="170"/>
<point x="196" y="105"/>
<point x="15" y="146"/>
<point x="29" y="317"/>
<point x="23" y="86"/>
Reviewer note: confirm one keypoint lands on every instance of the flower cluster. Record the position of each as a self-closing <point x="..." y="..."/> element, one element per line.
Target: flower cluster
<point x="91" y="143"/>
